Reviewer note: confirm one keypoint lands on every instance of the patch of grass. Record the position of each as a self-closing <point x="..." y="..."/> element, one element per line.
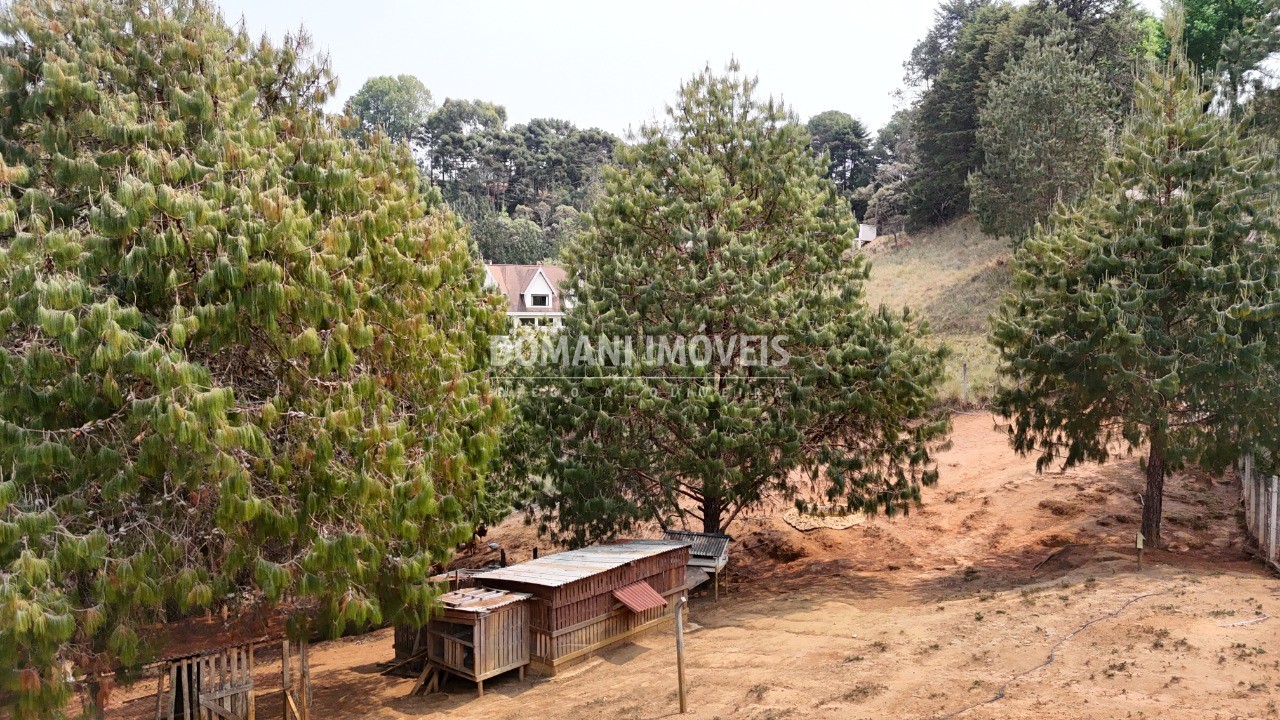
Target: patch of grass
<point x="1114" y="668"/>
<point x="863" y="691"/>
<point x="758" y="691"/>
<point x="953" y="277"/>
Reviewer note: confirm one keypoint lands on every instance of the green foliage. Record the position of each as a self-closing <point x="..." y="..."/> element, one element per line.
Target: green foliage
<point x="502" y="239"/>
<point x="720" y="223"/>
<point x="1148" y="313"/>
<point x="396" y="105"/>
<point x="1229" y="41"/>
<point x="520" y="188"/>
<point x="460" y="140"/>
<point x="242" y="357"/>
<point x="946" y="120"/>
<point x="1044" y="134"/>
<point x="480" y="162"/>
<point x="969" y="47"/>
<point x="1210" y="24"/>
<point x="847" y="146"/>
<point x="886" y="199"/>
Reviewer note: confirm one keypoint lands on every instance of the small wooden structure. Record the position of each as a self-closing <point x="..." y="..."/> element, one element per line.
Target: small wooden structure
<point x="214" y="684"/>
<point x="480" y="634"/>
<point x="586" y="600"/>
<point x="217" y="684"/>
<point x="708" y="551"/>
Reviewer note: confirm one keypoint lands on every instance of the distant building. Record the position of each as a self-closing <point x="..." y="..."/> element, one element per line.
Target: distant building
<point x="866" y="233"/>
<point x="533" y="293"/>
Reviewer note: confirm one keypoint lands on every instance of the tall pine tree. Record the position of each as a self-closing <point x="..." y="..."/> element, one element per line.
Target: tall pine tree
<point x="1147" y="316"/>
<point x="718" y="233"/>
<point x="241" y="358"/>
<point x="1044" y="133"/>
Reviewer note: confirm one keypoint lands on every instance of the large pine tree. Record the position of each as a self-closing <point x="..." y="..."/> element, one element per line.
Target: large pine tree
<point x="241" y="357"/>
<point x="1148" y="316"/>
<point x="1044" y="133"/>
<point x="720" y="225"/>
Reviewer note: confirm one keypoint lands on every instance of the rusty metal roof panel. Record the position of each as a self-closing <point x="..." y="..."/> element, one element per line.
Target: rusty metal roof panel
<point x="639" y="596"/>
<point x="573" y="565"/>
<point x="480" y="600"/>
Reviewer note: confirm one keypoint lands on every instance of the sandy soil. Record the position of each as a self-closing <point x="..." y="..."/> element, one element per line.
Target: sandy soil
<point x="1009" y="595"/>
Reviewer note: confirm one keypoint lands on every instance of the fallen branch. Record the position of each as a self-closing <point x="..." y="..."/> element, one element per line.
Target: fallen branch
<point x="1053" y="652"/>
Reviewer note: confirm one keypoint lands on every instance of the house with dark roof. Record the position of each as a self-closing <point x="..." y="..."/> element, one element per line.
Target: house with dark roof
<point x="533" y="293"/>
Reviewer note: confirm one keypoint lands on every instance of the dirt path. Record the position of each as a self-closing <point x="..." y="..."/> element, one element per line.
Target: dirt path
<point x="926" y="616"/>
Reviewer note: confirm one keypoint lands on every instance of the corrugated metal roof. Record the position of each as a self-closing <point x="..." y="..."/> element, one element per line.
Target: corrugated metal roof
<point x="707" y="545"/>
<point x="639" y="596"/>
<point x="573" y="565"/>
<point x="480" y="600"/>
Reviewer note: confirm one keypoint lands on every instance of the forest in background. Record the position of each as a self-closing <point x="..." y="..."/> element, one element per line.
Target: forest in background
<point x="1006" y="109"/>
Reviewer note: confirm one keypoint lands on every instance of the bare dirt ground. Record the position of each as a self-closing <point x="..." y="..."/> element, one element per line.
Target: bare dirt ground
<point x="1009" y="595"/>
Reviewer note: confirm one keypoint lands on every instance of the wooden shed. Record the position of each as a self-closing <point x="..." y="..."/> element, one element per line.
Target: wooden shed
<point x="586" y="600"/>
<point x="481" y="633"/>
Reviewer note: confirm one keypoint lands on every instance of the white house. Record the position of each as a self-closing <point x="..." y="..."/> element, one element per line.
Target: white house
<point x="532" y="291"/>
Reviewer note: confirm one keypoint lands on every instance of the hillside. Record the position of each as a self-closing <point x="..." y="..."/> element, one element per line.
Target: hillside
<point x="953" y="277"/>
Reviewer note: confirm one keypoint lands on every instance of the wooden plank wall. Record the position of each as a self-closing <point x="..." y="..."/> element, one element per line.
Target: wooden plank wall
<point x="205" y="687"/>
<point x="505" y="640"/>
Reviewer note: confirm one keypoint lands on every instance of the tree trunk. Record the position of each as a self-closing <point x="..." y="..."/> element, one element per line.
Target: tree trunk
<point x="1153" y="498"/>
<point x="712" y="508"/>
<point x="95" y="703"/>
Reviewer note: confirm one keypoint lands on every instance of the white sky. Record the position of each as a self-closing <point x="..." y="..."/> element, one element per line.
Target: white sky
<point x="612" y="64"/>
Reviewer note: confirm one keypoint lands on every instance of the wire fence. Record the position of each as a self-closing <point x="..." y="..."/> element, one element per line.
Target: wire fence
<point x="1261" y="495"/>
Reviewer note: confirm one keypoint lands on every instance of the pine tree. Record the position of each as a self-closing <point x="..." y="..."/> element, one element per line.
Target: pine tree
<point x="719" y="225"/>
<point x="242" y="359"/>
<point x="1044" y="134"/>
<point x="1148" y="314"/>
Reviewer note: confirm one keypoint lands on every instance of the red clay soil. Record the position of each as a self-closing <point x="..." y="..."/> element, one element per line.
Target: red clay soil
<point x="1008" y="595"/>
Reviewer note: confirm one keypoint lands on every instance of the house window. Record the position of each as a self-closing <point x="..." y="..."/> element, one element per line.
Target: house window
<point x="539" y="301"/>
<point x="529" y="322"/>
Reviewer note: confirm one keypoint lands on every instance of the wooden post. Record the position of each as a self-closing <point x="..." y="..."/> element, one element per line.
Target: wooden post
<point x="1274" y="519"/>
<point x="680" y="603"/>
<point x="1139" y="544"/>
<point x="253" y="695"/>
<point x="964" y="383"/>
<point x="305" y="676"/>
<point x="286" y="681"/>
<point x="160" y="693"/>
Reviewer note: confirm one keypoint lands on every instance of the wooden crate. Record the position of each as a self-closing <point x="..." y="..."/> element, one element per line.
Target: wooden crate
<point x="480" y="634"/>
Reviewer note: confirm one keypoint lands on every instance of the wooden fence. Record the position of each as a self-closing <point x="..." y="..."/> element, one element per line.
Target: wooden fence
<point x="1261" y="496"/>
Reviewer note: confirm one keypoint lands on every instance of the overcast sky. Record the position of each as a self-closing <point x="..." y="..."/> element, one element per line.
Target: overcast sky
<point x="612" y="65"/>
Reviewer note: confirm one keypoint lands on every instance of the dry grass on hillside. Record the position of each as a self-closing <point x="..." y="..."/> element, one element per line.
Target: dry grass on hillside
<point x="953" y="276"/>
